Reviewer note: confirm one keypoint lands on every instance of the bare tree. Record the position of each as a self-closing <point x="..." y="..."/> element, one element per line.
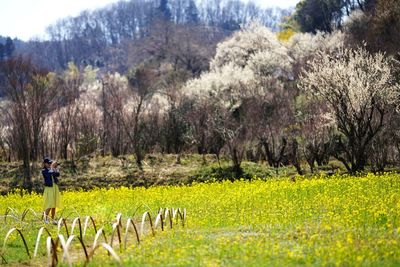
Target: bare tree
<point x="141" y="89"/>
<point x="67" y="111"/>
<point x="230" y="124"/>
<point x="31" y="93"/>
<point x="113" y="96"/>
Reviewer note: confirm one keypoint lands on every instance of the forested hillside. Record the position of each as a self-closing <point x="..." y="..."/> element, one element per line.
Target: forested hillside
<point x="125" y="33"/>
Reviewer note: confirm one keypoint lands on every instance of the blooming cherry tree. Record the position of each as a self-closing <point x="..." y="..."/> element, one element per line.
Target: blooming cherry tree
<point x="360" y="92"/>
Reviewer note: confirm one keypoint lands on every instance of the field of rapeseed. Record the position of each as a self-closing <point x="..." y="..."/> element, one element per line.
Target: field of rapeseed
<point x="323" y="221"/>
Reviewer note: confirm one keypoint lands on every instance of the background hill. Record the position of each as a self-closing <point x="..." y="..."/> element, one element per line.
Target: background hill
<point x="120" y="35"/>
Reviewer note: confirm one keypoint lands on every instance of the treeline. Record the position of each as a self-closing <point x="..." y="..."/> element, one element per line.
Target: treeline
<point x="106" y="37"/>
<point x="373" y="23"/>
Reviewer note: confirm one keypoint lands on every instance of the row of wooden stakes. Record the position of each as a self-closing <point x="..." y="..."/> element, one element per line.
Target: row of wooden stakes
<point x="165" y="217"/>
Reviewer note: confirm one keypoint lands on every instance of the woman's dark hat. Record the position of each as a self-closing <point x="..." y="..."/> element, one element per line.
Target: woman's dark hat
<point x="47" y="160"/>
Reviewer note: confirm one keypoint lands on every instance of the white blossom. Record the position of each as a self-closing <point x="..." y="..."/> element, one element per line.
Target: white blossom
<point x="307" y="45"/>
<point x="244" y="44"/>
<point x="251" y="55"/>
<point x="353" y="83"/>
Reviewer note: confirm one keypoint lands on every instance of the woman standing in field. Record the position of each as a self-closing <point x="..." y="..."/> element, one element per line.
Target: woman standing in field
<point x="51" y="193"/>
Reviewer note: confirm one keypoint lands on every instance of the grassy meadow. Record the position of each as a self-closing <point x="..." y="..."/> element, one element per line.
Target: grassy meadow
<point x="338" y="220"/>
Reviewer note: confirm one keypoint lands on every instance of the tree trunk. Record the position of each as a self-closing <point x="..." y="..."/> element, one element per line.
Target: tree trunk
<point x="294" y="157"/>
<point x="27" y="174"/>
<point x="236" y="159"/>
<point x="273" y="159"/>
<point x="178" y="159"/>
<point x="138" y="156"/>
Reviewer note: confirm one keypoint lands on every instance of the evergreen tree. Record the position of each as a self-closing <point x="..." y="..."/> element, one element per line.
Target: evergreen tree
<point x="1" y="51"/>
<point x="9" y="48"/>
<point x="319" y="15"/>
<point x="164" y="11"/>
<point x="192" y="13"/>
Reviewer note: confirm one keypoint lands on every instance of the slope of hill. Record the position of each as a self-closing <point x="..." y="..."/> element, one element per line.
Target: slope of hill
<point x="118" y="36"/>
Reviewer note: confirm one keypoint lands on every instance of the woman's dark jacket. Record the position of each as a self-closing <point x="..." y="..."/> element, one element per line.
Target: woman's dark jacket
<point x="47" y="174"/>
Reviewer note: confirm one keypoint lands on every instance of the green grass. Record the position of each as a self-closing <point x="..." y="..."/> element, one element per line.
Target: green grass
<point x="319" y="221"/>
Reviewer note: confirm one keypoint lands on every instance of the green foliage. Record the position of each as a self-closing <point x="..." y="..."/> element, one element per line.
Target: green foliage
<point x="176" y="128"/>
<point x="318" y="15"/>
<point x="251" y="170"/>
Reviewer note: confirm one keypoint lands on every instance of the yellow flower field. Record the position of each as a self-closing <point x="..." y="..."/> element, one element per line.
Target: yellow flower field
<point x="323" y="221"/>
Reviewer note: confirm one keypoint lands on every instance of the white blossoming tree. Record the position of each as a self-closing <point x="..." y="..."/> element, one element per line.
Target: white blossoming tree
<point x="314" y="132"/>
<point x="360" y="93"/>
<point x="248" y="70"/>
